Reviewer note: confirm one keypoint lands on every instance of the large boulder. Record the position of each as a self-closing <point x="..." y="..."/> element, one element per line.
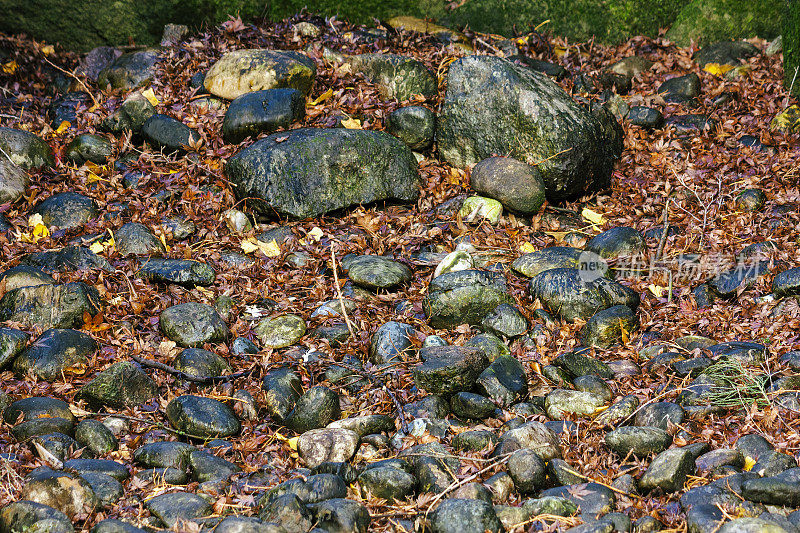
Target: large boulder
<point x="25" y="148"/>
<point x="51" y="306"/>
<point x="310" y="171"/>
<point x="244" y="71"/>
<point x="493" y="106"/>
<point x="396" y="76"/>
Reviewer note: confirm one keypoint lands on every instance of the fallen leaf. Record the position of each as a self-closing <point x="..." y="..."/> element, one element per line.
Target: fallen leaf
<point x="151" y="96"/>
<point x="10" y="67"/>
<point x="321" y="98"/>
<point x="717" y="69"/>
<point x="593" y="216"/>
<point x="352" y="124"/>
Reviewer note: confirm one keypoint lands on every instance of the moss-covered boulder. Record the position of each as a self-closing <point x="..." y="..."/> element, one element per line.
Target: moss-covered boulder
<point x="706" y="21"/>
<point x="131" y="70"/>
<point x="121" y="385"/>
<point x="493" y="106"/>
<point x="25" y="148"/>
<point x="244" y="71"/>
<point x="396" y="76"/>
<point x="464" y="297"/>
<point x="311" y="171"/>
<point x="51" y="306"/>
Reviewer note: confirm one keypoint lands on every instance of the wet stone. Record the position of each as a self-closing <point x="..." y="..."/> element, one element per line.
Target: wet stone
<point x="66" y="210"/>
<point x="280" y="331"/>
<point x="107" y="489"/>
<point x="464" y="516"/>
<point x="199" y="363"/>
<point x="375" y="272"/>
<point x="95" y="436"/>
<point x="590" y="498"/>
<point x="24" y="516"/>
<point x="562" y="402"/>
<point x="668" y="470"/>
<point x="123" y="384"/>
<point x="638" y="440"/>
<point x="392" y="343"/>
<point x="314" y="409"/>
<point x="387" y="482"/>
<point x="504" y="381"/>
<point x="54" y="352"/>
<point x="505" y="321"/>
<point x="449" y="369"/>
<point x="414" y="125"/>
<point x="318" y="446"/>
<point x="202" y="417"/>
<point x="171" y="507"/>
<point x="660" y="415"/>
<point x="137" y="239"/>
<point x="469" y="405"/>
<point x="192" y="324"/>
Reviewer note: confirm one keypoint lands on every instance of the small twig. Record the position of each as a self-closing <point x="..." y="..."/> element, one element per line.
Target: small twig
<point x="487" y="45"/>
<point x="159" y="425"/>
<point x="606" y="485"/>
<point x="460" y="482"/>
<point x="72" y="74"/>
<point x="207" y="380"/>
<point x="379" y="381"/>
<point x="339" y="293"/>
<point x="663" y="240"/>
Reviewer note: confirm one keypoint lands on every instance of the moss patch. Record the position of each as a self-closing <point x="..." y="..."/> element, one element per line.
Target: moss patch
<point x="707" y="21"/>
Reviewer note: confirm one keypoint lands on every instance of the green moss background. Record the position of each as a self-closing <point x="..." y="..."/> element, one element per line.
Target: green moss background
<point x="791" y="46"/>
<point x="82" y="25"/>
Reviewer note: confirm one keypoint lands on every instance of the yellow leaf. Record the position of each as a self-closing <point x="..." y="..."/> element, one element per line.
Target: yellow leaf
<point x="527" y="248"/>
<point x="321" y="98"/>
<point x="47" y="50"/>
<point x="35" y="220"/>
<point x="557" y="235"/>
<point x="97" y="247"/>
<point x="657" y="290"/>
<point x="64" y="126"/>
<point x="92" y="177"/>
<point x="749" y="463"/>
<point x="163" y="241"/>
<point x="592" y="216"/>
<point x="717" y="69"/>
<point x="151" y="96"/>
<point x="249" y="245"/>
<point x="10" y="67"/>
<point x="292" y="443"/>
<point x="40" y="231"/>
<point x="559" y="52"/>
<point x="352" y="124"/>
<point x="270" y="249"/>
<point x="315" y="233"/>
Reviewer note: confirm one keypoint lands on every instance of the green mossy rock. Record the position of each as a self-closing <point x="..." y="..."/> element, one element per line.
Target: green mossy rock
<point x="396" y="76"/>
<point x="311" y="171"/>
<point x="493" y="106"/>
<point x="243" y="71"/>
<point x="464" y="297"/>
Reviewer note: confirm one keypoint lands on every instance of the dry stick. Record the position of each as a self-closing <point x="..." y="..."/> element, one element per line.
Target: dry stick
<point x="72" y="74"/>
<point x="339" y="292"/>
<point x="663" y="240"/>
<point x="384" y="386"/>
<point x="587" y="478"/>
<point x="459" y="483"/>
<point x="159" y="425"/>
<point x="206" y="380"/>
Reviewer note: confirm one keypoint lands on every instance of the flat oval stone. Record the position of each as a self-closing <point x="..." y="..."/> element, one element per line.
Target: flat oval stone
<point x="280" y="331"/>
<point x="375" y="272"/>
<point x="202" y="417"/>
<point x="192" y="324"/>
